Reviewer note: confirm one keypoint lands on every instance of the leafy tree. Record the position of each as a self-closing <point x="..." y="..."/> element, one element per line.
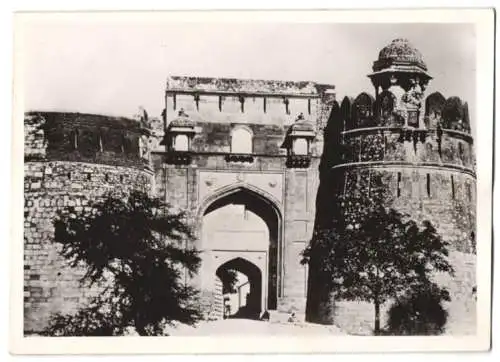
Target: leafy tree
<point x="133" y="248"/>
<point x="229" y="277"/>
<point x="372" y="253"/>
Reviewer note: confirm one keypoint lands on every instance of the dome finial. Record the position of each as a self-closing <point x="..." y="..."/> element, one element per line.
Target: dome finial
<point x="400" y="52"/>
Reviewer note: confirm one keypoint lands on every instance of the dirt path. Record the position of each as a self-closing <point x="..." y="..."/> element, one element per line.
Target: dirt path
<point x="252" y="327"/>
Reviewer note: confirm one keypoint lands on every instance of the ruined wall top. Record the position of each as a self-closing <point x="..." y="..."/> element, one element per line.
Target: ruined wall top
<point x="91" y="138"/>
<point x="245" y="86"/>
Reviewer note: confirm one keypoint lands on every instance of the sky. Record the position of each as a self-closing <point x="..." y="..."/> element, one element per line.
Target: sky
<point x="114" y="67"/>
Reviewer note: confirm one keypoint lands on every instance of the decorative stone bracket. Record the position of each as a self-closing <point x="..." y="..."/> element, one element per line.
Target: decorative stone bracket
<point x="298" y="161"/>
<point x="415" y="135"/>
<point x="239" y="157"/>
<point x="178" y="158"/>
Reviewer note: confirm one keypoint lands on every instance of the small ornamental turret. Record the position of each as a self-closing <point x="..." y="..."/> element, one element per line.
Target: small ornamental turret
<point x="298" y="141"/>
<point x="400" y="76"/>
<point x="178" y="139"/>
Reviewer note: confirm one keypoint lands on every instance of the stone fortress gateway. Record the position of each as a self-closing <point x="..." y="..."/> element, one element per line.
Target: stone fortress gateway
<point x="245" y="158"/>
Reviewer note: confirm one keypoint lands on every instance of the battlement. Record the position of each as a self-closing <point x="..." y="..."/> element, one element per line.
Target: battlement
<point x="366" y="111"/>
<point x="62" y="136"/>
<point x="247" y="101"/>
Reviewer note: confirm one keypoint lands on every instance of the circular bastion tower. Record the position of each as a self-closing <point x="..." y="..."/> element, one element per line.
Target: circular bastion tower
<point x="419" y="147"/>
<point x="71" y="159"/>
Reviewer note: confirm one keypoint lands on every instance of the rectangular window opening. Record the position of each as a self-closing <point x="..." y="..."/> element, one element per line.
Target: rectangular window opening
<point x="452" y="188"/>
<point x="469" y="192"/>
<point x="399" y="185"/>
<point x="428" y="185"/>
<point x="75" y="139"/>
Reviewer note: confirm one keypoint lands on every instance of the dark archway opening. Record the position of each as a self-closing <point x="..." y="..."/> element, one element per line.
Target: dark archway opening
<point x="268" y="212"/>
<point x="247" y="290"/>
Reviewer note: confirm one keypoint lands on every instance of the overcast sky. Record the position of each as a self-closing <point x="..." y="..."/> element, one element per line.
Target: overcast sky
<point x="115" y="67"/>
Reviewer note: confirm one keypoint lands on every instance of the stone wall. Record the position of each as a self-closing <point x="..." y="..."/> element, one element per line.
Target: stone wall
<point x="445" y="197"/>
<point x="53" y="181"/>
<point x="50" y="286"/>
<point x="429" y="146"/>
<point x="358" y="318"/>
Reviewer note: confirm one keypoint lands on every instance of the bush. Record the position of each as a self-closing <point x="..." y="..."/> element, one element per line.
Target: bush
<point x="419" y="312"/>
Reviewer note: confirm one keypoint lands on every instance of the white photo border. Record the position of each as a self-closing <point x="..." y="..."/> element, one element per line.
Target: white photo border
<point x="484" y="22"/>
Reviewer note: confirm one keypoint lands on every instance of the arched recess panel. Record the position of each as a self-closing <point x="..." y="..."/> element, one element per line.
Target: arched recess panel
<point x="332" y="137"/>
<point x="384" y="107"/>
<point x="345" y="113"/>
<point x="452" y="113"/>
<point x="362" y="110"/>
<point x="241" y="140"/>
<point x="434" y="106"/>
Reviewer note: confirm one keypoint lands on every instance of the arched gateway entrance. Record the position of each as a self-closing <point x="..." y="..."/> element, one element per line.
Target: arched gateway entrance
<point x="241" y="260"/>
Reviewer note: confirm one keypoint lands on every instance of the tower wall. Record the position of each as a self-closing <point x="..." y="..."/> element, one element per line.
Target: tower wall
<point x="427" y="176"/>
<point x="427" y="172"/>
<point x="63" y="168"/>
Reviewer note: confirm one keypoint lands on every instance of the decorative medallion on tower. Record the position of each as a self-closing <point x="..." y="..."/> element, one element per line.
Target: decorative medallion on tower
<point x="298" y="143"/>
<point x="178" y="139"/>
<point x="400" y="78"/>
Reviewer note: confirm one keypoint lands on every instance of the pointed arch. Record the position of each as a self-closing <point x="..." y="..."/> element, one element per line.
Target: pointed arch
<point x="385" y="104"/>
<point x="253" y="307"/>
<point x="237" y="187"/>
<point x="452" y="112"/>
<point x="434" y="104"/>
<point x="334" y="123"/>
<point x="466" y="117"/>
<point x="332" y="137"/>
<point x="362" y="110"/>
<point x="269" y="210"/>
<point x="345" y="112"/>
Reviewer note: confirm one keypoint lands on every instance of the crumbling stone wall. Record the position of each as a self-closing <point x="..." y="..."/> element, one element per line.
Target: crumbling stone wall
<point x="54" y="180"/>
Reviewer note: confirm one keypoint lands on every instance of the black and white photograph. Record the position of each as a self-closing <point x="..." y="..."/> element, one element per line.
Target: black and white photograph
<point x="187" y="175"/>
